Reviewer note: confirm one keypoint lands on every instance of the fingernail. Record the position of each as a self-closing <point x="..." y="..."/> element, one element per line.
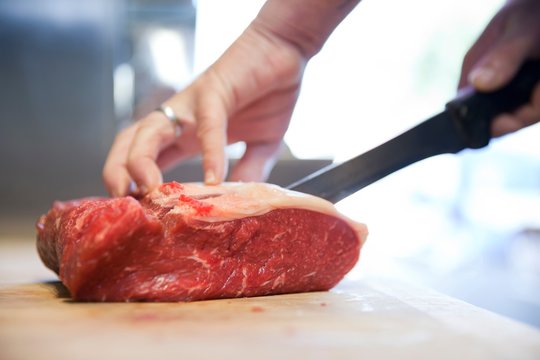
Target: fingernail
<point x="210" y="177"/>
<point x="482" y="76"/>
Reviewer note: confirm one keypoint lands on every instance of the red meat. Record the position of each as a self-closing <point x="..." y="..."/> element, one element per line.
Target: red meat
<point x="192" y="242"/>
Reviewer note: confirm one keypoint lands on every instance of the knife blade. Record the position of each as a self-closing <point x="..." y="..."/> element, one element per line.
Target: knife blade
<point x="464" y="124"/>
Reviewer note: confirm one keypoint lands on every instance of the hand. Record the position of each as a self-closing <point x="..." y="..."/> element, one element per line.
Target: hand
<point x="247" y="95"/>
<point x="511" y="37"/>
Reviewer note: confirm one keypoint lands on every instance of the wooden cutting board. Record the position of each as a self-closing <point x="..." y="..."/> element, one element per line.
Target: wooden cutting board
<point x="370" y="318"/>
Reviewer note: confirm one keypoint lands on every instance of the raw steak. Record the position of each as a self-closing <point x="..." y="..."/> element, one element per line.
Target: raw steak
<point x="184" y="242"/>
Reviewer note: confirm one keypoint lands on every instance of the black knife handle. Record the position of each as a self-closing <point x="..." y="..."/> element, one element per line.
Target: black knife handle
<point x="474" y="111"/>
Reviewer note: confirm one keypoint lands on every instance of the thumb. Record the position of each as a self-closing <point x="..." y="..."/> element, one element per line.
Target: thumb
<point x="500" y="64"/>
<point x="256" y="163"/>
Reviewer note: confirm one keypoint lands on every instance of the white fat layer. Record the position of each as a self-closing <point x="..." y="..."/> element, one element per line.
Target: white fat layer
<point x="236" y="200"/>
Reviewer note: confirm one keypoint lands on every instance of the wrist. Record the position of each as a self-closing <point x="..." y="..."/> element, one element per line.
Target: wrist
<point x="306" y="25"/>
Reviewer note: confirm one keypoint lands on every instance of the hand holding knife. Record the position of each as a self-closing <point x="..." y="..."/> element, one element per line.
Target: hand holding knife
<point x="465" y="123"/>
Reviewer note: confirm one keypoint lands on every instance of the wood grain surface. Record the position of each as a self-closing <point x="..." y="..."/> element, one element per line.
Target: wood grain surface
<point x="369" y="318"/>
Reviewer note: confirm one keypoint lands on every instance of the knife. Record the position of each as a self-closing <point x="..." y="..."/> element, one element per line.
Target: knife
<point x="464" y="124"/>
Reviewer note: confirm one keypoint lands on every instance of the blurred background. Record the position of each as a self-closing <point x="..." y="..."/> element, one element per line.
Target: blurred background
<point x="73" y="73"/>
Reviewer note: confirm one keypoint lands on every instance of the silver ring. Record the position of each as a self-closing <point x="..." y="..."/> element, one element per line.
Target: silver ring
<point x="169" y="114"/>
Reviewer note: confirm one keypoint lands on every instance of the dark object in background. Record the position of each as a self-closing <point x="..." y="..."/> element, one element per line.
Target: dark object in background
<point x="56" y="100"/>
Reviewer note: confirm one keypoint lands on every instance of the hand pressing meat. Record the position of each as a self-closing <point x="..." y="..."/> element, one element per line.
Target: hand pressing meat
<point x="184" y="242"/>
<point x="249" y="93"/>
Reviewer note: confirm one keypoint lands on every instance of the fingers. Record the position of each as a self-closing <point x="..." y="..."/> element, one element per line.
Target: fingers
<point x="487" y="40"/>
<point x="525" y="116"/>
<point x="256" y="163"/>
<point x="142" y="150"/>
<point x="115" y="175"/>
<point x="212" y="135"/>
<point x="133" y="155"/>
<point x="153" y="134"/>
<point x="511" y="38"/>
<point x="514" y="37"/>
<point x="499" y="65"/>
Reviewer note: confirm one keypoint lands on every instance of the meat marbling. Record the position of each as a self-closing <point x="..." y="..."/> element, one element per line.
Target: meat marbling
<point x="185" y="242"/>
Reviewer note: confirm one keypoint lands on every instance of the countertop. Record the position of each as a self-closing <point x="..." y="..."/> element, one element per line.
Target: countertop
<point x="370" y="318"/>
